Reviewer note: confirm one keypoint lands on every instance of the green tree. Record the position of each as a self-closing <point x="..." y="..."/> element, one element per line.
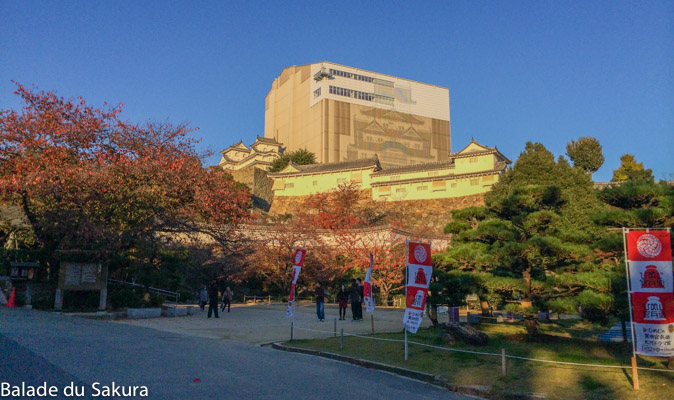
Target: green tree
<point x="298" y="157"/>
<point x="586" y="154"/>
<point x="631" y="170"/>
<point x="532" y="239"/>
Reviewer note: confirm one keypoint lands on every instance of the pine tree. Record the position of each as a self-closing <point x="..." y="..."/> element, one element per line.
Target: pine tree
<point x="586" y="154"/>
<point x="532" y="239"/>
<point x="298" y="157"/>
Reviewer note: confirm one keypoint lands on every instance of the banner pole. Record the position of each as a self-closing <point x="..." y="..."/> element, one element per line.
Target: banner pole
<point x="635" y="379"/>
<point x="407" y="273"/>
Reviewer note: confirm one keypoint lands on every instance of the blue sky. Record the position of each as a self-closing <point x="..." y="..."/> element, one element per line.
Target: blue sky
<point x="516" y="71"/>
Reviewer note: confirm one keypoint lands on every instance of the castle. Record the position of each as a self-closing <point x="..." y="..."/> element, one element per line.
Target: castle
<point x="388" y="135"/>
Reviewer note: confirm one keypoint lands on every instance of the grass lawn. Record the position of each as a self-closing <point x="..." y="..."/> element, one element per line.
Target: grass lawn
<point x="563" y="341"/>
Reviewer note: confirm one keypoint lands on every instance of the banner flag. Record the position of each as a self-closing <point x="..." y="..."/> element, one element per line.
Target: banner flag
<point x="298" y="260"/>
<point x="649" y="260"/>
<point x="368" y="299"/>
<point x="419" y="271"/>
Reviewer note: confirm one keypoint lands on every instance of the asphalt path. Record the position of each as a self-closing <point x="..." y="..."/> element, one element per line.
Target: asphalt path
<point x="39" y="347"/>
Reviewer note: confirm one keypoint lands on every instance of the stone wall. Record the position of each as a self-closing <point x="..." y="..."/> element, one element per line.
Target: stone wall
<point x="429" y="216"/>
<point x="260" y="186"/>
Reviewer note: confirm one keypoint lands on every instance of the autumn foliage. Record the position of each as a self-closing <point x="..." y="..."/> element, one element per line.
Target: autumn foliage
<point x="87" y="180"/>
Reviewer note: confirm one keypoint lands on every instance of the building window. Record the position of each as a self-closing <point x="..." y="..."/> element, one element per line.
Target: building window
<point x="289" y="185"/>
<point x="419" y="188"/>
<point x="317" y="92"/>
<point x="315" y="183"/>
<point x="341" y="180"/>
<point x="401" y="190"/>
<point x="474" y="181"/>
<point x="453" y="184"/>
<point x="433" y="173"/>
<point x="488" y="178"/>
<point x="395" y="177"/>
<point x="472" y="160"/>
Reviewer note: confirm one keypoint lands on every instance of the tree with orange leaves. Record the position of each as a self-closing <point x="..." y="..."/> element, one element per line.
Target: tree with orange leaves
<point x="87" y="180"/>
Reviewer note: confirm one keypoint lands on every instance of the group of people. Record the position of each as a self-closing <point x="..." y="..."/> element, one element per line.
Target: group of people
<point x="211" y="296"/>
<point x="354" y="295"/>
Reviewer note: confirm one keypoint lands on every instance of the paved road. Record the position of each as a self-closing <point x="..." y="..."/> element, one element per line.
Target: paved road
<point x="261" y="323"/>
<point x="37" y="347"/>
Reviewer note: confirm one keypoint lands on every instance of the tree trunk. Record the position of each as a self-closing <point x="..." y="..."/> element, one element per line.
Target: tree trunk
<point x="432" y="312"/>
<point x="484" y="305"/>
<point x="531" y="324"/>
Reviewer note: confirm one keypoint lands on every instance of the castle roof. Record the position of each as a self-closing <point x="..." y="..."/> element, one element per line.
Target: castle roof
<point x="476" y="149"/>
<point x="293" y="169"/>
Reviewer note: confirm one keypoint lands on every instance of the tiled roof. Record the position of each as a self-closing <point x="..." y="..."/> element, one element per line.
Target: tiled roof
<point x="267" y="140"/>
<point x="415" y="167"/>
<point x="333" y="167"/>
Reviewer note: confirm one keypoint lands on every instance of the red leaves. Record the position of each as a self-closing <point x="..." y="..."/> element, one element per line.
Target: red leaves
<point x="102" y="178"/>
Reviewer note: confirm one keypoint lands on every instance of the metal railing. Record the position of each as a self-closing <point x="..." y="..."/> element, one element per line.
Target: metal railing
<point x="166" y="294"/>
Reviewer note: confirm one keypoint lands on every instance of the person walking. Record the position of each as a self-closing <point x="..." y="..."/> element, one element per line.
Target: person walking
<point x="203" y="298"/>
<point x="320" y="302"/>
<point x="354" y="297"/>
<point x="213" y="299"/>
<point x="343" y="300"/>
<point x="361" y="297"/>
<point x="227" y="299"/>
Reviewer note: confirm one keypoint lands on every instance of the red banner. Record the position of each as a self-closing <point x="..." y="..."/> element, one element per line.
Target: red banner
<point x="419" y="253"/>
<point x="653" y="308"/>
<point x="419" y="271"/>
<point x="649" y="246"/>
<point x="299" y="257"/>
<point x="649" y="262"/>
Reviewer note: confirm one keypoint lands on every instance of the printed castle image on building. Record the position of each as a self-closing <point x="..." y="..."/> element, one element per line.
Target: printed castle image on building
<point x="389" y="136"/>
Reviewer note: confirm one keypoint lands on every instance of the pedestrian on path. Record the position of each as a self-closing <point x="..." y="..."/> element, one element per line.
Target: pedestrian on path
<point x="227" y="299"/>
<point x="343" y="300"/>
<point x="354" y="297"/>
<point x="203" y="298"/>
<point x="320" y="302"/>
<point x="213" y="299"/>
<point x="361" y="297"/>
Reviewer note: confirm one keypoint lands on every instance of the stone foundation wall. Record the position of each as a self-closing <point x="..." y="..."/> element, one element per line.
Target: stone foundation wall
<point x="429" y="216"/>
<point x="260" y="186"/>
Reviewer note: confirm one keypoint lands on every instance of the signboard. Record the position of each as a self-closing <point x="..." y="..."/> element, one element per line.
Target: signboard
<point x="651" y="288"/>
<point x="82" y="276"/>
<point x="368" y="299"/>
<point x="298" y="260"/>
<point x="419" y="271"/>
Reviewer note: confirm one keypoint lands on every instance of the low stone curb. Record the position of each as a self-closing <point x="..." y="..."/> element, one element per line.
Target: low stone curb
<point x="421" y="376"/>
<point x="477" y="391"/>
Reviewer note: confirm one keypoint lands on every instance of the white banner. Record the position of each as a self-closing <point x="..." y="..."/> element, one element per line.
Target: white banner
<point x="368" y="297"/>
<point x="651" y="276"/>
<point x="412" y="320"/>
<point x="655" y="340"/>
